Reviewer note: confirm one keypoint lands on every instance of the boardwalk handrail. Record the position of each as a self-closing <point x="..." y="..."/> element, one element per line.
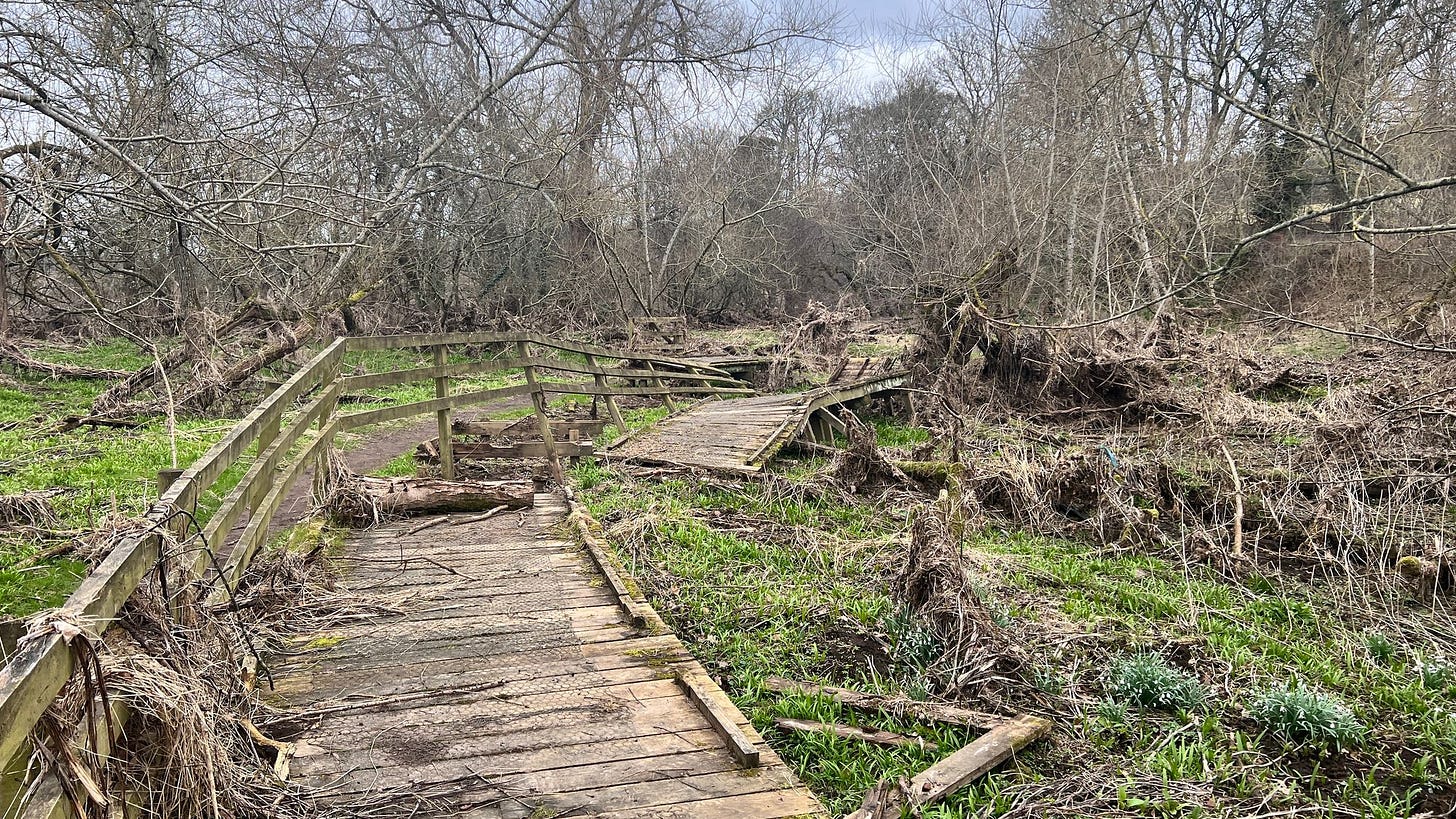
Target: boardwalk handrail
<point x="45" y="661"/>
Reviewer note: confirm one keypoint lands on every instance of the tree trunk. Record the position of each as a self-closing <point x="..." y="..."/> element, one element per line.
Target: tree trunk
<point x="418" y="496"/>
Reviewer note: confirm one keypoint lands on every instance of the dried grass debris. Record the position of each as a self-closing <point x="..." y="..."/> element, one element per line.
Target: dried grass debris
<point x="32" y="508"/>
<point x="934" y="583"/>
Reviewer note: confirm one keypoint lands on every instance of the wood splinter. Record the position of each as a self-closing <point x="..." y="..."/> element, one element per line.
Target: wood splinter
<point x="888" y="739"/>
<point x="890" y="798"/>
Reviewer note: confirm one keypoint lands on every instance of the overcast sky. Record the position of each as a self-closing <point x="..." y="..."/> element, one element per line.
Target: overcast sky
<point x="879" y="17"/>
<point x="883" y="52"/>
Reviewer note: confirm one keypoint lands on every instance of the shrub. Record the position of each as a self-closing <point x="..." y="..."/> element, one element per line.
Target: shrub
<point x="1148" y="681"/>
<point x="1382" y="650"/>
<point x="1299" y="715"/>
<point x="1435" y="672"/>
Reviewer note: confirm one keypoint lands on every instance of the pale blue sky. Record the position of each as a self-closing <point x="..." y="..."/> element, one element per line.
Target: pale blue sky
<point x="878" y="17"/>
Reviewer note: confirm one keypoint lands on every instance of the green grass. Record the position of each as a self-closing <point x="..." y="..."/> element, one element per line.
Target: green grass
<point x="768" y="576"/>
<point x="758" y="604"/>
<point x="105" y="473"/>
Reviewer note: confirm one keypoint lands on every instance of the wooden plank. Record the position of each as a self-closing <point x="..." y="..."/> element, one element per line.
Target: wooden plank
<point x="356" y="383"/>
<point x="710" y="700"/>
<point x="411" y="375"/>
<point x="580" y="522"/>
<point x="354" y="420"/>
<point x="506" y="753"/>
<point x="776" y="804"/>
<point x="955" y="771"/>
<point x="888" y="739"/>
<point x="524" y="449"/>
<point x="406" y="340"/>
<point x="899" y="706"/>
<point x="559" y="429"/>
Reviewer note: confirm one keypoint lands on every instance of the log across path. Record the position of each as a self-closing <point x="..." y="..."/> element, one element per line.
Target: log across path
<point x="743" y="434"/>
<point x="521" y="680"/>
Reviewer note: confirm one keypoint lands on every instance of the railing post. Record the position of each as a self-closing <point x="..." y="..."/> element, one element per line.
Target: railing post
<point x="331" y="373"/>
<point x="269" y="432"/>
<point x="442" y="417"/>
<point x="538" y="398"/>
<point x="601" y="380"/>
<point x="165" y="478"/>
<point x="657" y="382"/>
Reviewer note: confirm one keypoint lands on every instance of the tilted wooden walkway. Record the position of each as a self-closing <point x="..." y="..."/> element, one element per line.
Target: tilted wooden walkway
<point x="741" y="434"/>
<point x="515" y="685"/>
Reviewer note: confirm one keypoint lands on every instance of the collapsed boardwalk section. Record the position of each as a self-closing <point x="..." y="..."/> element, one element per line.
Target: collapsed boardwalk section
<point x="514" y="685"/>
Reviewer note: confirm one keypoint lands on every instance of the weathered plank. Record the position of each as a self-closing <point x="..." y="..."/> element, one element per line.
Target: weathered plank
<point x="949" y="775"/>
<point x="899" y="706"/>
<point x="560" y="430"/>
<point x="516" y="451"/>
<point x="873" y="736"/>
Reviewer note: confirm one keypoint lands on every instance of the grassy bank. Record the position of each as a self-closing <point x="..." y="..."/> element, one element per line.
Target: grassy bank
<point x="1176" y="689"/>
<point x="101" y="473"/>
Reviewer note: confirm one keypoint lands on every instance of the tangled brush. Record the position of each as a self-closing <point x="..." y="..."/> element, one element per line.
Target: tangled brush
<point x="341" y="495"/>
<point x="28" y="509"/>
<point x="178" y="667"/>
<point x="935" y="584"/>
<point x="861" y="465"/>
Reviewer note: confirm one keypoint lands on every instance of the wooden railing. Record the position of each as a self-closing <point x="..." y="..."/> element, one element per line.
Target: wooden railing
<point x="285" y="443"/>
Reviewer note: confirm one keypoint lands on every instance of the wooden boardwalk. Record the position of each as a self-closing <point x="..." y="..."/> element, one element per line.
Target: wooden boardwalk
<point x="515" y="685"/>
<point x="741" y="434"/>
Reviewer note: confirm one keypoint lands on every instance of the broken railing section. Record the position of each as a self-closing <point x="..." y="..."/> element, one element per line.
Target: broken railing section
<point x="513" y="440"/>
<point x="284" y="443"/>
<point x="887" y="800"/>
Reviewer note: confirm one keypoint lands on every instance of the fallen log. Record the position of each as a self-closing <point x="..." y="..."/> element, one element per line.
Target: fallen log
<point x="15" y="357"/>
<point x="410" y="496"/>
<point x="71" y="422"/>
<point x="889" y="799"/>
<point x="365" y="499"/>
<point x="899" y="706"/>
<point x="888" y="739"/>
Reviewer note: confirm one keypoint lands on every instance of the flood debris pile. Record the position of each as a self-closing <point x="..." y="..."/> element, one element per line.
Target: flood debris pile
<point x="181" y="668"/>
<point x="1225" y="447"/>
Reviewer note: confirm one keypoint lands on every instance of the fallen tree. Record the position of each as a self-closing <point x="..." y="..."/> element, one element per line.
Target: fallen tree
<point x="15" y="357"/>
<point x="362" y="499"/>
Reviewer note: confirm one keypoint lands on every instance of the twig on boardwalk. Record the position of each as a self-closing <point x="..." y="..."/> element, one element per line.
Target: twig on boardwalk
<point x="478" y="518"/>
<point x="432" y="522"/>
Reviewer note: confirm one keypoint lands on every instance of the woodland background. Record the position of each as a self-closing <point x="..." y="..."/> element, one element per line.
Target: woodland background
<point x="202" y="167"/>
